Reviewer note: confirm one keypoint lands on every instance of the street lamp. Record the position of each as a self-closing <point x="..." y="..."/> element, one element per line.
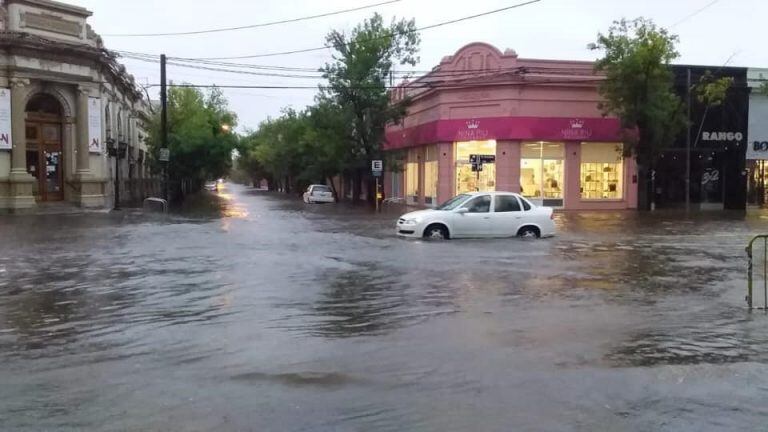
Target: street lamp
<point x="118" y="151"/>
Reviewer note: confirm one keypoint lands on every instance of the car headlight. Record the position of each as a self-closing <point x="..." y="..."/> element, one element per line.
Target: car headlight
<point x="412" y="221"/>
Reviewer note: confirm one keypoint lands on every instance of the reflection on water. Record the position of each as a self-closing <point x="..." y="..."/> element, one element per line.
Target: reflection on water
<point x="368" y="301"/>
<point x="249" y="311"/>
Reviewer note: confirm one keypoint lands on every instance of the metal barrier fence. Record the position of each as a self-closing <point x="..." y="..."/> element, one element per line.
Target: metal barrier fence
<point x="751" y="267"/>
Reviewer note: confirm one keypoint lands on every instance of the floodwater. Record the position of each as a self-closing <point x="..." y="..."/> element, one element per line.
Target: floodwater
<point x="260" y="313"/>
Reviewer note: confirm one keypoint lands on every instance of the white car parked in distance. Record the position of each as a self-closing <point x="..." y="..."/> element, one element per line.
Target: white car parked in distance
<point x="479" y="214"/>
<point x="318" y="194"/>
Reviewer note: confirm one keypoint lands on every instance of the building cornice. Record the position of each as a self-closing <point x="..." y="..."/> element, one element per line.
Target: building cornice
<point x="104" y="61"/>
<point x="54" y="6"/>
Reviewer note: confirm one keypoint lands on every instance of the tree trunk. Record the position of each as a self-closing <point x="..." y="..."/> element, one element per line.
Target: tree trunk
<point x="333" y="188"/>
<point x="644" y="193"/>
<point x="356" y="180"/>
<point x="370" y="187"/>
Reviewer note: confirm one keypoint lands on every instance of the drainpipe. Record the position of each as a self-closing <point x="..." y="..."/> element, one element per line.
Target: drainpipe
<point x="688" y="148"/>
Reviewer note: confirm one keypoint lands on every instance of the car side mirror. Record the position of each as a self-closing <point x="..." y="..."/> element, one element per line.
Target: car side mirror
<point x="462" y="210"/>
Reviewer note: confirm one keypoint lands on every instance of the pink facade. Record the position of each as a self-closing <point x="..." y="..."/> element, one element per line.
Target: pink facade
<point x="483" y="97"/>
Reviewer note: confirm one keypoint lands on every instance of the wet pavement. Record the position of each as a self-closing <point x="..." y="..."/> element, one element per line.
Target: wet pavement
<point x="260" y="313"/>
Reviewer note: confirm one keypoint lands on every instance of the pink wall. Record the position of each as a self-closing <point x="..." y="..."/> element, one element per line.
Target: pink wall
<point x="508" y="166"/>
<point x="509" y="99"/>
<point x="445" y="172"/>
<point x="572" y="179"/>
<point x="386" y="178"/>
<point x="421" y="157"/>
<point x="630" y="188"/>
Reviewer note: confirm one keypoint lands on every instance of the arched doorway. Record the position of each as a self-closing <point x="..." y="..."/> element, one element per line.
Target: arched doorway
<point x="44" y="147"/>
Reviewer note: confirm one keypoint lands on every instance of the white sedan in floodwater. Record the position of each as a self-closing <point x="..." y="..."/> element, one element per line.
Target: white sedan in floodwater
<point x="479" y="214"/>
<point x="318" y="194"/>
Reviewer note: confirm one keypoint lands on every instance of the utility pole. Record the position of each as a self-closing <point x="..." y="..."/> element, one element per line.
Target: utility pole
<point x="688" y="148"/>
<point x="164" y="125"/>
<point x="117" y="171"/>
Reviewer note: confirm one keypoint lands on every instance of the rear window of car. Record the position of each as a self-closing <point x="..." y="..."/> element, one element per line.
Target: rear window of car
<point x="321" y="189"/>
<point x="506" y="203"/>
<point x="526" y="204"/>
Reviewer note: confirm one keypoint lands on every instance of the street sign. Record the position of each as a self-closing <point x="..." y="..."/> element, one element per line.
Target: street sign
<point x="165" y="155"/>
<point x="477" y="167"/>
<point x="377" y="165"/>
<point x="377" y="173"/>
<point x="481" y="159"/>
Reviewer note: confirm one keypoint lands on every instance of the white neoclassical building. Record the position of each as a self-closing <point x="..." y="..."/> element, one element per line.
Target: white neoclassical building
<point x="67" y="108"/>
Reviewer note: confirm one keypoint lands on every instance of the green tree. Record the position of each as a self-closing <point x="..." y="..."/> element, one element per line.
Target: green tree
<point x="712" y="91"/>
<point x="199" y="136"/>
<point x="279" y="147"/>
<point x="328" y="142"/>
<point x="639" y="89"/>
<point x="357" y="79"/>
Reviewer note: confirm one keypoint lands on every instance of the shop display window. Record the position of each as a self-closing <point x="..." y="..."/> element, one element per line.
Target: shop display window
<point x="602" y="171"/>
<point x="542" y="170"/>
<point x="412" y="177"/>
<point x="430" y="175"/>
<point x="472" y="181"/>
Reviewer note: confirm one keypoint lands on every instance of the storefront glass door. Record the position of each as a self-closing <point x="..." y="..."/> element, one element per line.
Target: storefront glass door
<point x="471" y="181"/>
<point x="44" y="160"/>
<point x="711" y="180"/>
<point x="542" y="171"/>
<point x="757" y="185"/>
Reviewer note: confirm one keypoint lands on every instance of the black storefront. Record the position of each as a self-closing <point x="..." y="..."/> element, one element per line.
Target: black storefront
<point x="718" y="139"/>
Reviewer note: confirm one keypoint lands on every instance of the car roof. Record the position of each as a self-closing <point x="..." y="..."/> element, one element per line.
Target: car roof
<point x="492" y="193"/>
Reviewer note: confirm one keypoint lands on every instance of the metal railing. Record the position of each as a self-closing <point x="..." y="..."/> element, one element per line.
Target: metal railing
<point x="750" y="270"/>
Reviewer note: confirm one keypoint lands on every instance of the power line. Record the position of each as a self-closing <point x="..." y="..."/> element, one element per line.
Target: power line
<point x="434" y="86"/>
<point x="460" y="73"/>
<point x="687" y="17"/>
<point x="441" y="24"/>
<point x="266" y="24"/>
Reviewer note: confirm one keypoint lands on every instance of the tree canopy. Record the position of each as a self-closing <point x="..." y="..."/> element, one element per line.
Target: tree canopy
<point x="199" y="134"/>
<point x="639" y="85"/>
<point x="344" y="130"/>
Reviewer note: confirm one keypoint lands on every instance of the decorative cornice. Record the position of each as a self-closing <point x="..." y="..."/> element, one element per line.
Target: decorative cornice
<point x="55" y="6"/>
<point x="105" y="60"/>
<point x="17" y="83"/>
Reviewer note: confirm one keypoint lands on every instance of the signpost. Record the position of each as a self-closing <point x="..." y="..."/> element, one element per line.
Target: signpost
<point x="477" y="161"/>
<point x="165" y="154"/>
<point x="377" y="167"/>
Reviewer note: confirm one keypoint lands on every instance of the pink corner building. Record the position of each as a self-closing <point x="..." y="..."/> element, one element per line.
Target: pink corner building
<point x="534" y="124"/>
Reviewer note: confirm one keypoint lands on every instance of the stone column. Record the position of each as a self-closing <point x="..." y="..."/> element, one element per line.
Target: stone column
<point x="18" y="130"/>
<point x="446" y="175"/>
<point x="83" y="168"/>
<point x="21" y="182"/>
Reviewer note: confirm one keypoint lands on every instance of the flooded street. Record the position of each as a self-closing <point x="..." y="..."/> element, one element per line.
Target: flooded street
<point x="266" y="314"/>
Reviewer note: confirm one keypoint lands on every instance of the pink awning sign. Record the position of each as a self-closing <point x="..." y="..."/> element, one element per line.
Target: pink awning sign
<point x="506" y="128"/>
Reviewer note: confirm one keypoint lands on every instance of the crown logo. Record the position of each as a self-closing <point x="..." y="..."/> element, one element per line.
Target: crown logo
<point x="473" y="124"/>
<point x="577" y="124"/>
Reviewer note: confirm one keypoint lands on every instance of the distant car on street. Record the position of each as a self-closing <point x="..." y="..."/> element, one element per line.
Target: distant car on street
<point x="479" y="214"/>
<point x="318" y="194"/>
<point x="212" y="186"/>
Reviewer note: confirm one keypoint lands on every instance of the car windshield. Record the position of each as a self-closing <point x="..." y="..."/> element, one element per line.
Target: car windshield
<point x="321" y="189"/>
<point x="453" y="202"/>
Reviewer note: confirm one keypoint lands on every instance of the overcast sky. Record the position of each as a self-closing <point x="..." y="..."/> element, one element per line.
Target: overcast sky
<point x="551" y="29"/>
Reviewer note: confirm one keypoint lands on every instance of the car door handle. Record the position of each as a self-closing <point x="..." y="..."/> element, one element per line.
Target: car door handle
<point x="486" y="217"/>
